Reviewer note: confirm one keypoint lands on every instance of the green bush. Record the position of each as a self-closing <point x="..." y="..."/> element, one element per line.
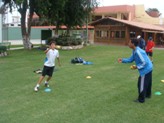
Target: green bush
<point x="3" y="48"/>
<point x="66" y="40"/>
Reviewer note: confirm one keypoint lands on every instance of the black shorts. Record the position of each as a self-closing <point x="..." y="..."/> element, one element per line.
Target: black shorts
<point x="149" y="54"/>
<point x="47" y="71"/>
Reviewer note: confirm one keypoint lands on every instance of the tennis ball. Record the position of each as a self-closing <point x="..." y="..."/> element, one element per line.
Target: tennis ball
<point x="131" y="67"/>
<point x="134" y="66"/>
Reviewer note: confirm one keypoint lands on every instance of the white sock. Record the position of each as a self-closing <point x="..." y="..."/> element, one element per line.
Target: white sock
<point x="46" y="82"/>
<point x="37" y="85"/>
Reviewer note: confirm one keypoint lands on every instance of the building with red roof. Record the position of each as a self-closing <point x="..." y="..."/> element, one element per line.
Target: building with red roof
<point x="117" y="24"/>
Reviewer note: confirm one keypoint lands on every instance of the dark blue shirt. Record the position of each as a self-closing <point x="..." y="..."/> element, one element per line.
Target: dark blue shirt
<point x="142" y="44"/>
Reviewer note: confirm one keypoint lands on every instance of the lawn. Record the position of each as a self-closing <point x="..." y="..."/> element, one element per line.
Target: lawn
<point x="105" y="98"/>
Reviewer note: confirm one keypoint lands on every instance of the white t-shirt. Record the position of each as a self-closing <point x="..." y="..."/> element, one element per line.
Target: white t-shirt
<point x="51" y="55"/>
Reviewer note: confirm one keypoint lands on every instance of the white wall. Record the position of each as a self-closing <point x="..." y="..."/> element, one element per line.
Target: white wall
<point x="9" y="17"/>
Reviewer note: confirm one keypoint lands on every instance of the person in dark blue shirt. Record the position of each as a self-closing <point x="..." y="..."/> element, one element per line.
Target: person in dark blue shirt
<point x="142" y="43"/>
<point x="144" y="66"/>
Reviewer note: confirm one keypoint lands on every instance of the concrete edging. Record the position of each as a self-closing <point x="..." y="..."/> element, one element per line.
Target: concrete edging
<point x="70" y="47"/>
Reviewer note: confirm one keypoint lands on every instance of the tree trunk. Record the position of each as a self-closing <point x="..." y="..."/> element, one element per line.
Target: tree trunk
<point x="25" y="34"/>
<point x="68" y="31"/>
<point x="26" y="42"/>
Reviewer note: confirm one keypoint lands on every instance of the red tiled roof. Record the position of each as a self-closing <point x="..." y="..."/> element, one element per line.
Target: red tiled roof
<point x="48" y="27"/>
<point x="62" y="27"/>
<point x="35" y="16"/>
<point x="140" y="25"/>
<point x="114" y="9"/>
<point x="132" y="23"/>
<point x="45" y="27"/>
<point x="84" y="27"/>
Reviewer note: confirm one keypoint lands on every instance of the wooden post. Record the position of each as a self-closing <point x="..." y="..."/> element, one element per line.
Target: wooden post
<point x="154" y="38"/>
<point x="127" y="35"/>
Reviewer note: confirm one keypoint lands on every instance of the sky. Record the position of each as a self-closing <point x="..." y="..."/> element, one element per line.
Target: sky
<point x="147" y="3"/>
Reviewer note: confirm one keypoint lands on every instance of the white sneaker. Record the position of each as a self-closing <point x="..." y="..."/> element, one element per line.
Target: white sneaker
<point x="47" y="85"/>
<point x="36" y="89"/>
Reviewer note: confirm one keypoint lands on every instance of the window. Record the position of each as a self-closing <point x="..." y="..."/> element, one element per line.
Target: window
<point x="117" y="34"/>
<point x="98" y="33"/>
<point x="132" y="34"/>
<point x="104" y="34"/>
<point x="122" y="34"/>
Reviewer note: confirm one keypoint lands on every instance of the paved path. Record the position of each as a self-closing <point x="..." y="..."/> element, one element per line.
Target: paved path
<point x="18" y="48"/>
<point x="20" y="42"/>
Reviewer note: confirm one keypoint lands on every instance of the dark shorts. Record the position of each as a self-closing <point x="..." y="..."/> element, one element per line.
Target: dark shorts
<point x="149" y="54"/>
<point x="47" y="71"/>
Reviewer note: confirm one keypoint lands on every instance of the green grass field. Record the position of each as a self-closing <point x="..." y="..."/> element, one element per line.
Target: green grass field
<point x="105" y="98"/>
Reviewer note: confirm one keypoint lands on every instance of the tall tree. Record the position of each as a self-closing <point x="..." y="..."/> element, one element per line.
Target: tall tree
<point x="52" y="11"/>
<point x="71" y="13"/>
<point x="22" y="7"/>
<point x="77" y="12"/>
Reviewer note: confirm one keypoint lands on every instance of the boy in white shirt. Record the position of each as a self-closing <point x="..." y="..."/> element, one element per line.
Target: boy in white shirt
<point x="49" y="64"/>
